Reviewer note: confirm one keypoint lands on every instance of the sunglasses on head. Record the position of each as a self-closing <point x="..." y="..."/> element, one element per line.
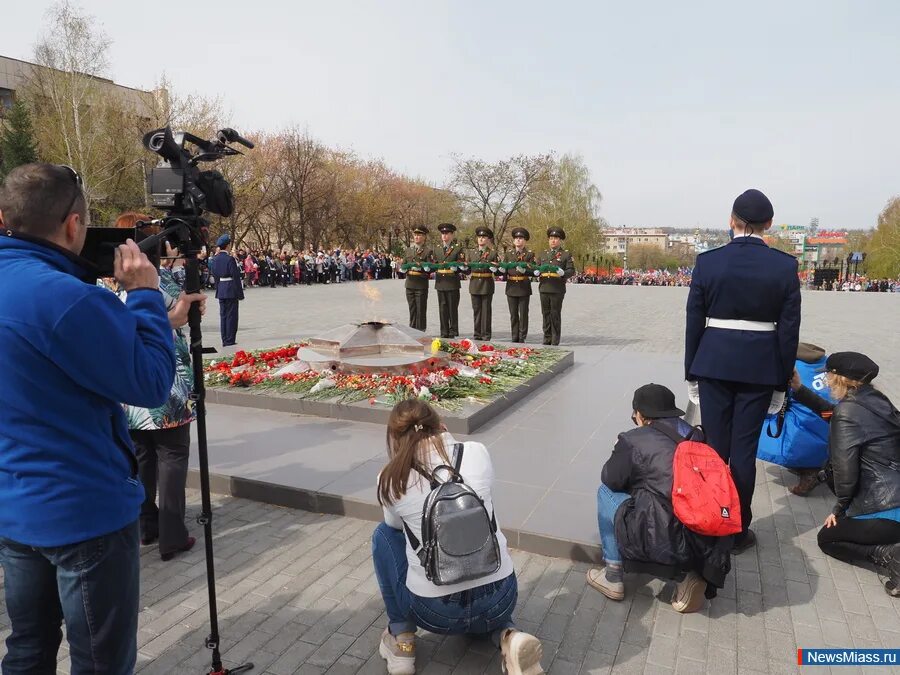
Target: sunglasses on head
<point x="78" y="185"/>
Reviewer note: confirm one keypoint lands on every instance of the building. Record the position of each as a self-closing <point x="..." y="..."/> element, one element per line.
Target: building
<point x="794" y="236"/>
<point x="15" y="74"/>
<point x="617" y="241"/>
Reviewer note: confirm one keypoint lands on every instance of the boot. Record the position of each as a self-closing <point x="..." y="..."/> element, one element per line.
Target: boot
<point x="888" y="557"/>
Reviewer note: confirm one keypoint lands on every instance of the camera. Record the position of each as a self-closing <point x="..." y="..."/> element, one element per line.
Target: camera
<point x="178" y="186"/>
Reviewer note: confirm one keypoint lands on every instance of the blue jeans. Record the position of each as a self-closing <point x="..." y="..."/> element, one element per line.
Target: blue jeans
<point x="608" y="502"/>
<point x="480" y="611"/>
<point x="93" y="585"/>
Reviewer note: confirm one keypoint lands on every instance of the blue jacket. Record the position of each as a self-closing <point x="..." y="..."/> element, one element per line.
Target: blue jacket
<point x="223" y="265"/>
<point x="71" y="354"/>
<point x="744" y="279"/>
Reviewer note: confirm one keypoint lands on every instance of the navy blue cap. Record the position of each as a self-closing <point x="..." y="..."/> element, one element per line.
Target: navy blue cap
<point x="223" y="241"/>
<point x="753" y="207"/>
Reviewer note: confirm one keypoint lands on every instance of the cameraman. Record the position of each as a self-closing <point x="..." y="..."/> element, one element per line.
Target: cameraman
<point x="69" y="490"/>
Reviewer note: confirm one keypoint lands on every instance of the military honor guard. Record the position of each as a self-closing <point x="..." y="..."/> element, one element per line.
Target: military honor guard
<point x="418" y="262"/>
<point x="481" y="282"/>
<point x="229" y="290"/>
<point x="556" y="266"/>
<point x="743" y="328"/>
<point x="518" y="283"/>
<point x="450" y="258"/>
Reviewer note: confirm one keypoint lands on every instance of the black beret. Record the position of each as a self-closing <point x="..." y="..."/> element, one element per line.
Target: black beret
<point x="753" y="207"/>
<point x="521" y="232"/>
<point x="484" y="232"/>
<point x="420" y="229"/>
<point x="853" y="365"/>
<point x="556" y="232"/>
<point x="447" y="227"/>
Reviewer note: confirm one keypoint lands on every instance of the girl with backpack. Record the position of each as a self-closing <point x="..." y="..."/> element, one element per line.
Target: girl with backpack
<point x="456" y="576"/>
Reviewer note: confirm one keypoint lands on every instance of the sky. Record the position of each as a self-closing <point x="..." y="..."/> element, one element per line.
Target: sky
<point x="676" y="108"/>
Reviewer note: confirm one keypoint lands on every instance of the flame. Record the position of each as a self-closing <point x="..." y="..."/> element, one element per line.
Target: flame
<point x="372" y="294"/>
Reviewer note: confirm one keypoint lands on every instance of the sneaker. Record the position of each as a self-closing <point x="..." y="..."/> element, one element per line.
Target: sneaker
<point x="614" y="590"/>
<point x="521" y="653"/>
<point x="742" y="543"/>
<point x="399" y="652"/>
<point x="690" y="594"/>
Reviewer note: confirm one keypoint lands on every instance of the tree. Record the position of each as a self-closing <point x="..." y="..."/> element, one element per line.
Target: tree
<point x="497" y="192"/>
<point x="80" y="118"/>
<point x="883" y="260"/>
<point x="648" y="257"/>
<point x="17" y="145"/>
<point x="567" y="198"/>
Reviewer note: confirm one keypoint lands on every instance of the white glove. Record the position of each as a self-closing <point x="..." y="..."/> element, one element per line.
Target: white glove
<point x="537" y="273"/>
<point x="694" y="392"/>
<point x="776" y="402"/>
<point x="560" y="271"/>
<point x="463" y="267"/>
<point x="492" y="268"/>
<point x="520" y="269"/>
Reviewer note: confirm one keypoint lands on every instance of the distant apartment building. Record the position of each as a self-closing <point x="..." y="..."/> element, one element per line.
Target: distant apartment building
<point x="617" y="241"/>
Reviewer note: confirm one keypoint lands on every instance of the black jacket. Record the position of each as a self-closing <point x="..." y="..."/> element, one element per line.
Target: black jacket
<point x="650" y="538"/>
<point x="865" y="453"/>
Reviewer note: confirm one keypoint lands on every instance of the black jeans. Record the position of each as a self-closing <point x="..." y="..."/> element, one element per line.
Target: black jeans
<point x="853" y="539"/>
<point x="162" y="456"/>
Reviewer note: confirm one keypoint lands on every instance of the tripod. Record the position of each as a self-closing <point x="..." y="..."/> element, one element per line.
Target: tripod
<point x="192" y="285"/>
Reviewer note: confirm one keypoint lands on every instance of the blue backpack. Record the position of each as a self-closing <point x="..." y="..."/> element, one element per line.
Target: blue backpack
<point x="803" y="441"/>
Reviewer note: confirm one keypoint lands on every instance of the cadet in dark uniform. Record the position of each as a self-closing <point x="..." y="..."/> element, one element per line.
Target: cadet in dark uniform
<point x="481" y="282"/>
<point x="446" y="281"/>
<point x="229" y="291"/>
<point x="418" y="260"/>
<point x="743" y="327"/>
<point x="553" y="284"/>
<point x="518" y="284"/>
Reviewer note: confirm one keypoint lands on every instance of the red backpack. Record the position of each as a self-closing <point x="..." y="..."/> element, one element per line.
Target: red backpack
<point x="704" y="496"/>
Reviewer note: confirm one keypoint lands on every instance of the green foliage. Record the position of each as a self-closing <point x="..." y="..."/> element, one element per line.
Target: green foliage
<point x="647" y="257"/>
<point x="17" y="143"/>
<point x="883" y="260"/>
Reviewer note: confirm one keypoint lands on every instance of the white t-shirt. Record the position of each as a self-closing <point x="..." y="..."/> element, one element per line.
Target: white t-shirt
<point x="478" y="473"/>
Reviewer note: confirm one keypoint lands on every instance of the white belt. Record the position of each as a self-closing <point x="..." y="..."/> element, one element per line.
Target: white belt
<point x="225" y="279"/>
<point x="740" y="324"/>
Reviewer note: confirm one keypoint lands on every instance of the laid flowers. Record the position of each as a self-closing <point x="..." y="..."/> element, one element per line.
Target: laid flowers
<point x="474" y="373"/>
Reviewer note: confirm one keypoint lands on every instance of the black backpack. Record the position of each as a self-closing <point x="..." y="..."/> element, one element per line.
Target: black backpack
<point x="459" y="538"/>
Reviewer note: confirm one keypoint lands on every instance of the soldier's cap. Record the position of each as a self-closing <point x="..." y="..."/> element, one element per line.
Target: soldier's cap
<point x="521" y="232"/>
<point x="557" y="232"/>
<point x="484" y="232"/>
<point x="753" y="207"/>
<point x="224" y="240"/>
<point x="420" y="229"/>
<point x="852" y="365"/>
<point x="446" y="227"/>
<point x="655" y="401"/>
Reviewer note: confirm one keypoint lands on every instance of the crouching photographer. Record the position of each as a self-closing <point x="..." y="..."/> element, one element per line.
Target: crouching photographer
<point x="69" y="488"/>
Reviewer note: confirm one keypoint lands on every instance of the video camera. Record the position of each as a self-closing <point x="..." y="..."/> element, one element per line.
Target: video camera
<point x="178" y="186"/>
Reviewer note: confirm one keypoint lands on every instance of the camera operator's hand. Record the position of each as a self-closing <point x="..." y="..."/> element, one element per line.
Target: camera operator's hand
<point x="178" y="315"/>
<point x="133" y="269"/>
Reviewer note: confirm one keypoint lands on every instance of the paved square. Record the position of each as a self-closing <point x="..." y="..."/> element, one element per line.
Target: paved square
<point x="296" y="589"/>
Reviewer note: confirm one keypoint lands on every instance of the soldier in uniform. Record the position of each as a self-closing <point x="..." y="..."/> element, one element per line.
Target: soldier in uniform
<point x="518" y="284"/>
<point x="446" y="281"/>
<point x="553" y="284"/>
<point x="743" y="328"/>
<point x="481" y="282"/>
<point x="418" y="260"/>
<point x="224" y="269"/>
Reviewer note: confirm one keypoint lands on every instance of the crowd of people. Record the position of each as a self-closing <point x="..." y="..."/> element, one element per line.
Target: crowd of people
<point x="83" y="456"/>
<point x="862" y="285"/>
<point x="271" y="269"/>
<point x="680" y="277"/>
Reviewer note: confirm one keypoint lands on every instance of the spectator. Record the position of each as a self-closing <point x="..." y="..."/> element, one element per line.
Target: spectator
<point x="638" y="528"/>
<point x="70" y="492"/>
<point x="864" y="524"/>
<point x="418" y="442"/>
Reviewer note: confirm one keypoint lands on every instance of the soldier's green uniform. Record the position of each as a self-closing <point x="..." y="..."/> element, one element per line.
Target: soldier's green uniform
<point x="481" y="285"/>
<point x="419" y="260"/>
<point x="553" y="286"/>
<point x="518" y="286"/>
<point x="447" y="283"/>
